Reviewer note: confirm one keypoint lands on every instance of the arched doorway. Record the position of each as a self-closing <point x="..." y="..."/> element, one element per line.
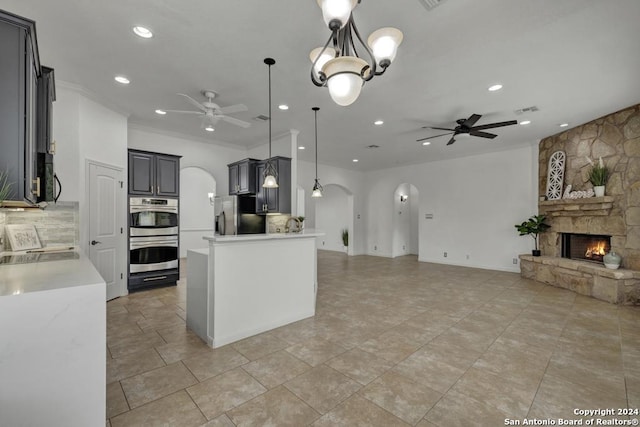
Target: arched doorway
<point x="333" y="214"/>
<point x="196" y="211"/>
<point x="406" y="234"/>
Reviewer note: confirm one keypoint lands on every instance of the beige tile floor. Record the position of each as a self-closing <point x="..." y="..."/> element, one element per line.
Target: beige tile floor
<point x="393" y="342"/>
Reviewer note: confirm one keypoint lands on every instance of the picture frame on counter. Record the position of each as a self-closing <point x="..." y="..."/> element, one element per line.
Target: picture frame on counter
<point x="22" y="237"/>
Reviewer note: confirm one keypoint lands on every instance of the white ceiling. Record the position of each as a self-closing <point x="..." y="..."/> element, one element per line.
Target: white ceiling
<point x="575" y="60"/>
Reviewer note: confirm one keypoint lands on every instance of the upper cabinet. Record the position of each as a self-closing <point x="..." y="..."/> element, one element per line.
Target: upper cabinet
<point x="46" y="96"/>
<point x="153" y="174"/>
<point x="19" y="74"/>
<point x="274" y="200"/>
<point x="242" y="177"/>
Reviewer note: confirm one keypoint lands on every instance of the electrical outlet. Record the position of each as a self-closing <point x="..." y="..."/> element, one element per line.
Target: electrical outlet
<point x="404" y="248"/>
<point x="358" y="216"/>
<point x="323" y="243"/>
<point x="375" y="248"/>
<point x="445" y="254"/>
<point x="515" y="260"/>
<point x="467" y="256"/>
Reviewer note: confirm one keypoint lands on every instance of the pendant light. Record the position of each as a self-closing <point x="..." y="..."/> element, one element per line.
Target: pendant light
<point x="270" y="173"/>
<point x="317" y="188"/>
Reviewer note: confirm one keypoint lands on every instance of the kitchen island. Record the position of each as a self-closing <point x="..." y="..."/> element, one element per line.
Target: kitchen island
<point x="244" y="285"/>
<point x="52" y="343"/>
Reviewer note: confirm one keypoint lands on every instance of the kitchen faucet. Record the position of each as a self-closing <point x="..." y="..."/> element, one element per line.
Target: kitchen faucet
<point x="287" y="229"/>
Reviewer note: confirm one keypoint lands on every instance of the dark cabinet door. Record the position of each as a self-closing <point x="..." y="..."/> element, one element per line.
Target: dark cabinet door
<point x="167" y="176"/>
<point x="244" y="177"/>
<point x="272" y="200"/>
<point x="233" y="179"/>
<point x="46" y="96"/>
<point x="141" y="174"/>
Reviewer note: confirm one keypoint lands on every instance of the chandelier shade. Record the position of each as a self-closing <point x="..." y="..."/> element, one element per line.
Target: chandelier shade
<point x="336" y="12"/>
<point x="337" y="64"/>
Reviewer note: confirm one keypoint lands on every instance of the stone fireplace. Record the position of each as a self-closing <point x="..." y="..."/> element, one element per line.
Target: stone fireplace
<point x="616" y="139"/>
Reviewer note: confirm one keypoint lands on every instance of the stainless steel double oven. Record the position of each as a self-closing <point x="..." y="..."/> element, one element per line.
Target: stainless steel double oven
<point x="153" y="242"/>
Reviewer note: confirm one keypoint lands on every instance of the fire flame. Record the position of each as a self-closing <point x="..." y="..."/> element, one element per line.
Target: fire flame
<point x="597" y="249"/>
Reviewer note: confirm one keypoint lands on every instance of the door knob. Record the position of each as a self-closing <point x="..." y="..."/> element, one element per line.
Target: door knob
<point x="94" y="242"/>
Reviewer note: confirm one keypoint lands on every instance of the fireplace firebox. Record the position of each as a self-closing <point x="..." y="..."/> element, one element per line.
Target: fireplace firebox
<point x="587" y="247"/>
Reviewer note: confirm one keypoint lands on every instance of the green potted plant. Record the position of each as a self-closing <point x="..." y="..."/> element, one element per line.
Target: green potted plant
<point x="345" y="237"/>
<point x="5" y="186"/>
<point x="532" y="227"/>
<point x="598" y="175"/>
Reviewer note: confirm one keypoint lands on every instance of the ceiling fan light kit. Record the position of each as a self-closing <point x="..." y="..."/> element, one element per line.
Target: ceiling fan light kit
<point x="338" y="67"/>
<point x="270" y="173"/>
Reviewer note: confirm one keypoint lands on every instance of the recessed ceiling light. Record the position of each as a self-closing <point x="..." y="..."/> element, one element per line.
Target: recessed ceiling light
<point x="564" y="125"/>
<point x="525" y="122"/>
<point x="378" y="122"/>
<point x="161" y="112"/>
<point x="355" y="160"/>
<point x="283" y="106"/>
<point x="143" y="32"/>
<point x="301" y="148"/>
<point x="426" y="143"/>
<point x="495" y="88"/>
<point x="209" y="128"/>
<point x="123" y="80"/>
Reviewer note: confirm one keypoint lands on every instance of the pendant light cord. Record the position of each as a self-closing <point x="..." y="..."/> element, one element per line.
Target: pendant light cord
<point x="315" y="110"/>
<point x="269" y="112"/>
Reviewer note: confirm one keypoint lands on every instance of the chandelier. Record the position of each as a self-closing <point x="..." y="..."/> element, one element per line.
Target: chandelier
<point x="337" y="64"/>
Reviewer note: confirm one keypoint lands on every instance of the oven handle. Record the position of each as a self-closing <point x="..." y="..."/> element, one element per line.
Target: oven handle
<point x="135" y="209"/>
<point x="170" y="243"/>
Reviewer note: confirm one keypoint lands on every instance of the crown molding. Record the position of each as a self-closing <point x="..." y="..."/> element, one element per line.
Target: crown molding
<point x="81" y="90"/>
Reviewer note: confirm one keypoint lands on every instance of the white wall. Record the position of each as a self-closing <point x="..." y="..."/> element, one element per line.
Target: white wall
<point x="475" y="202"/>
<point x="333" y="214"/>
<point x="405" y="221"/>
<point x="197" y="214"/>
<point x="353" y="181"/>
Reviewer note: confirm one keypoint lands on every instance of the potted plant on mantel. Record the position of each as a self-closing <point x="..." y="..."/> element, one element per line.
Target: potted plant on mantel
<point x="532" y="227"/>
<point x="598" y="175"/>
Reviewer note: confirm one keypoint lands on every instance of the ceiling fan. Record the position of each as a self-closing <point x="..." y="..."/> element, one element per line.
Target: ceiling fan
<point x="212" y="112"/>
<point x="466" y="126"/>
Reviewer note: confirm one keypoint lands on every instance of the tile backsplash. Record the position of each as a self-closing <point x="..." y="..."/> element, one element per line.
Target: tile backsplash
<point x="57" y="225"/>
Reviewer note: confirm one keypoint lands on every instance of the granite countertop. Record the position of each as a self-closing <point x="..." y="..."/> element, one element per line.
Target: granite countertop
<point x="18" y="279"/>
<point x="306" y="233"/>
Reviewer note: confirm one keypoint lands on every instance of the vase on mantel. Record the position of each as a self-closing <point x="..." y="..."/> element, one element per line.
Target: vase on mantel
<point x="599" y="190"/>
<point x="612" y="260"/>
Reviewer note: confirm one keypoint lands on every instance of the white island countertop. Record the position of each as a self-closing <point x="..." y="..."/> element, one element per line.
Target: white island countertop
<point x="266" y="236"/>
<point x="18" y="279"/>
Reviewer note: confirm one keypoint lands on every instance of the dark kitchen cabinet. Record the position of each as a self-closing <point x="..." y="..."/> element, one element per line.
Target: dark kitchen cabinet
<point x="242" y="177"/>
<point x="153" y="174"/>
<point x="274" y="200"/>
<point x="46" y="97"/>
<point x="19" y="74"/>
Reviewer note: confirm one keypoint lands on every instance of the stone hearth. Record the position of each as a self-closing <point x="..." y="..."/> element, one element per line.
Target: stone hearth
<point x="616" y="139"/>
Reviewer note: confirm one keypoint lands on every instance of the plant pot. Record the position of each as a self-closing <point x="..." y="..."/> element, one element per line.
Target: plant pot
<point x="612" y="260"/>
<point x="535" y="252"/>
<point x="599" y="190"/>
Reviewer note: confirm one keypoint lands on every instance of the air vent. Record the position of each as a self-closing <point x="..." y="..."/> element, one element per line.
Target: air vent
<point x="532" y="109"/>
<point x="372" y="146"/>
<point x="261" y="117"/>
<point x="430" y="4"/>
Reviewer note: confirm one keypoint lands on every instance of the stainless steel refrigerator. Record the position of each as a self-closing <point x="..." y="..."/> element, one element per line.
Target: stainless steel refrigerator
<point x="236" y="215"/>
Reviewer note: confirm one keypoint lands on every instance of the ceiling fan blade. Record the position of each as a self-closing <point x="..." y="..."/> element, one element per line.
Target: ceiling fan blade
<point x="183" y="111"/>
<point x="437" y="128"/>
<point x="233" y="109"/>
<point x="482" y="134"/>
<point x="194" y="102"/>
<point x="471" y="121"/>
<point x="431" y="137"/>
<point x="452" y="140"/>
<point x="235" y="121"/>
<point x="495" y="125"/>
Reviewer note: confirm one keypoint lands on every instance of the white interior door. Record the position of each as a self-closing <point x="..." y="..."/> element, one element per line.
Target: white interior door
<point x="106" y="228"/>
